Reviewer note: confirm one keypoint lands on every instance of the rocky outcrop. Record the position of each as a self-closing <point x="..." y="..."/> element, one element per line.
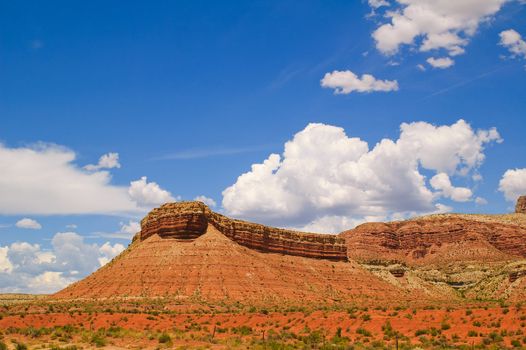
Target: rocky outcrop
<point x="433" y="240"/>
<point x="189" y="220"/>
<point x="397" y="272"/>
<point x="185" y="220"/>
<point x="515" y="275"/>
<point x="520" y="208"/>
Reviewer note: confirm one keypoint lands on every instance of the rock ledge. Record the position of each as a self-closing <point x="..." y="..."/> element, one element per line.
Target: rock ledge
<point x="189" y="220"/>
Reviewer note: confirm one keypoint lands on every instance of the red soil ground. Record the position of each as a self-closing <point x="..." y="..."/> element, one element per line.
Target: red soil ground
<point x="459" y="326"/>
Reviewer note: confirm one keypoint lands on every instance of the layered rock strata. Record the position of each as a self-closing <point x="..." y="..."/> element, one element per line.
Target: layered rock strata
<point x="189" y="220"/>
<point x="440" y="239"/>
<point x="520" y="208"/>
<point x="213" y="271"/>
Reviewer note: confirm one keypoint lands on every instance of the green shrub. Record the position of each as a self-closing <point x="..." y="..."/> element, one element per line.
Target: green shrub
<point x="434" y="332"/>
<point x="20" y="346"/>
<point x="98" y="340"/>
<point x="164" y="338"/>
<point x="494" y="336"/>
<point x="243" y="330"/>
<point x="3" y="346"/>
<point x="420" y="332"/>
<point x="313" y="338"/>
<point x="366" y="317"/>
<point x="445" y="326"/>
<point x="339" y="332"/>
<point x="388" y="330"/>
<point x="473" y="333"/>
<point x="363" y="332"/>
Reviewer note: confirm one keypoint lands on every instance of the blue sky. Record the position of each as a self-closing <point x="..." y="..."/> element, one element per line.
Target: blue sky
<point x="191" y="94"/>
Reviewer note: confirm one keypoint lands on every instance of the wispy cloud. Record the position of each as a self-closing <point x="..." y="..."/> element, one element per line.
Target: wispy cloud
<point x="127" y="231"/>
<point x="464" y="82"/>
<point x="110" y="235"/>
<point x="285" y="75"/>
<point x="195" y="153"/>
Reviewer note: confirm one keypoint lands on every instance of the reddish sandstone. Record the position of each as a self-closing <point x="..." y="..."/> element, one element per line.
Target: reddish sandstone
<point x="189" y="220"/>
<point x="215" y="269"/>
<point x="441" y="239"/>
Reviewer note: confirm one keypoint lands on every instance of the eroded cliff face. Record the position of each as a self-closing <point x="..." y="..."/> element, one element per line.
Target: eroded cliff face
<point x="189" y="220"/>
<point x="188" y="252"/>
<point x="212" y="269"/>
<point x="183" y="220"/>
<point x="520" y="208"/>
<point x="437" y="240"/>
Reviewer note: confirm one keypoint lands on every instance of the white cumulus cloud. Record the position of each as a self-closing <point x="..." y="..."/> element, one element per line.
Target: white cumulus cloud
<point x="106" y="161"/>
<point x="5" y="263"/>
<point x="43" y="179"/>
<point x="49" y="282"/>
<point x="26" y="267"/>
<point x="433" y="24"/>
<point x="208" y="201"/>
<point x="513" y="41"/>
<point x="109" y="251"/>
<point x="325" y="178"/>
<point x="345" y="82"/>
<point x="336" y="223"/>
<point x="513" y="184"/>
<point x="378" y="3"/>
<point x="28" y="223"/>
<point x="442" y="183"/>
<point x="148" y="194"/>
<point x="131" y="228"/>
<point x="442" y="63"/>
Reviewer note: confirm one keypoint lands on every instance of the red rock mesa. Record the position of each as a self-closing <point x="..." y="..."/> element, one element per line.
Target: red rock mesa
<point x="189" y="220"/>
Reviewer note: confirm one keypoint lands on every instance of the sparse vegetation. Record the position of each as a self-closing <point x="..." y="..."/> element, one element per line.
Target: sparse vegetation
<point x="164" y="338"/>
<point x="98" y="340"/>
<point x="239" y="327"/>
<point x="363" y="332"/>
<point x="20" y="346"/>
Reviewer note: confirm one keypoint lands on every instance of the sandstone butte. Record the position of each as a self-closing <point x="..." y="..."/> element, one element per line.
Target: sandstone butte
<point x="191" y="219"/>
<point x="191" y="254"/>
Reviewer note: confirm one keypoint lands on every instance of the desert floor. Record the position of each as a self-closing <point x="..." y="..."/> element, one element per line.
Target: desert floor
<point x="37" y="323"/>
